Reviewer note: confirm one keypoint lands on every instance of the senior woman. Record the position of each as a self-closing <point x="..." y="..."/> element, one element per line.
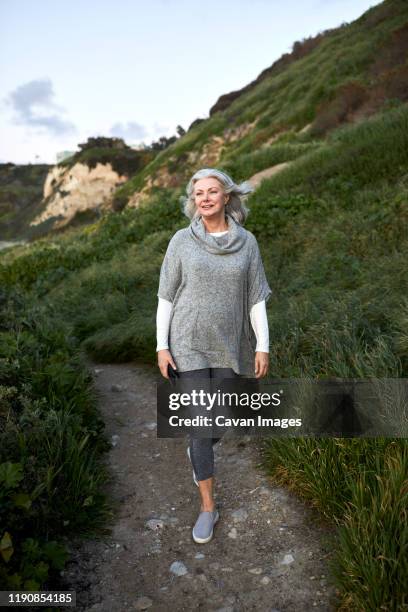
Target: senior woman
<point x="211" y="315"/>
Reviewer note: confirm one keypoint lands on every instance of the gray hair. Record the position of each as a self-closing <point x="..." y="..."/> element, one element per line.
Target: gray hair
<point x="237" y="193"/>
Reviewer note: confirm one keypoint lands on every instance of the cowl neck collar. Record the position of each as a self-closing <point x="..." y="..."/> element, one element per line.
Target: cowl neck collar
<point x="236" y="236"/>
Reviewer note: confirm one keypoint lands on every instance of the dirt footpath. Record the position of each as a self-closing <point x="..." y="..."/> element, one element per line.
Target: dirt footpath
<point x="268" y="553"/>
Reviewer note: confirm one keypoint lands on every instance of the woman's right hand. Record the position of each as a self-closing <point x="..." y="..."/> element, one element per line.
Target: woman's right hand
<point x="164" y="358"/>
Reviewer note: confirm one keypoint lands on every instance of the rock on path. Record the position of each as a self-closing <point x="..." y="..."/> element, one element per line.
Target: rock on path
<point x="269" y="551"/>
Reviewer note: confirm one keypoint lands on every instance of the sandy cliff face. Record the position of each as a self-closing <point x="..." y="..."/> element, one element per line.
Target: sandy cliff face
<point x="68" y="190"/>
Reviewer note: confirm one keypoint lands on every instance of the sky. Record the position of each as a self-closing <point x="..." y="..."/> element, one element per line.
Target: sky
<point x="136" y="69"/>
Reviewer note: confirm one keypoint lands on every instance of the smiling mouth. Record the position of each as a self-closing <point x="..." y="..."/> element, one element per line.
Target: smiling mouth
<point x="207" y="206"/>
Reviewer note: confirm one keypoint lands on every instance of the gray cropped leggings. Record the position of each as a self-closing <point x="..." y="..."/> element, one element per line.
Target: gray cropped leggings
<point x="201" y="449"/>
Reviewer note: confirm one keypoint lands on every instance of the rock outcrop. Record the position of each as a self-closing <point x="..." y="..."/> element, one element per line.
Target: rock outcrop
<point x="69" y="190"/>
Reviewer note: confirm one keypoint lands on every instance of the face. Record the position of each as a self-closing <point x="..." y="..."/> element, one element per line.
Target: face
<point x="209" y="197"/>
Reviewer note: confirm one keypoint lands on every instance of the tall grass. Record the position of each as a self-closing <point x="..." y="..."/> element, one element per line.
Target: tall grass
<point x="361" y="485"/>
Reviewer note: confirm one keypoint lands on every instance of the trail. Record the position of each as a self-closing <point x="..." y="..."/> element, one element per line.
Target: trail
<point x="269" y="551"/>
<point x="256" y="179"/>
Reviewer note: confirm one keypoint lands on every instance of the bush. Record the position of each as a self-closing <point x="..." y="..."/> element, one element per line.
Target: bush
<point x="51" y="441"/>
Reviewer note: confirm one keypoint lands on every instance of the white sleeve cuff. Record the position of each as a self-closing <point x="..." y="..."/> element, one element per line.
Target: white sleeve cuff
<point x="164" y="308"/>
<point x="259" y="322"/>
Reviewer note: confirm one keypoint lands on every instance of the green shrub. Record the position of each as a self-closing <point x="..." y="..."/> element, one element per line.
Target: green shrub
<point x="51" y="441"/>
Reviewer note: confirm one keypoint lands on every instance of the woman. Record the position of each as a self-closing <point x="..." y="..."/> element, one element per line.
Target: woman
<point x="212" y="286"/>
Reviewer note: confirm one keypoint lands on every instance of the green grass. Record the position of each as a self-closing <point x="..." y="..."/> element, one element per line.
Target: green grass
<point x="248" y="164"/>
<point x="51" y="445"/>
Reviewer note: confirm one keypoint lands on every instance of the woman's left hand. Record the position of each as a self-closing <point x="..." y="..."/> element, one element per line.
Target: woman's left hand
<point x="261" y="364"/>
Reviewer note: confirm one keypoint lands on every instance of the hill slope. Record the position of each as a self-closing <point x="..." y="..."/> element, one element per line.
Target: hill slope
<point x="341" y="76"/>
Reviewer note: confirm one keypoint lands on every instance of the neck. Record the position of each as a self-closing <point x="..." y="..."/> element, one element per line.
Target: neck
<point x="219" y="224"/>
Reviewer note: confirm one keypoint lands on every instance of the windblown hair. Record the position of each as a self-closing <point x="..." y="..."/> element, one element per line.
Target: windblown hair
<point x="237" y="193"/>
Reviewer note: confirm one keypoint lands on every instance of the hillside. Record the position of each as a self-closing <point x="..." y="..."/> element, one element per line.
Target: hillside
<point x="21" y="190"/>
<point x="36" y="200"/>
<point x="341" y="76"/>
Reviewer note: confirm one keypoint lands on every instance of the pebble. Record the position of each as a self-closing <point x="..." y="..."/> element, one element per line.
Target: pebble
<point x="143" y="603"/>
<point x="156" y="548"/>
<point x="178" y="568"/>
<point x="265" y="580"/>
<point x="115" y="439"/>
<point x="98" y="371"/>
<point x="155" y="524"/>
<point x="116" y="388"/>
<point x="287" y="559"/>
<point x="239" y="515"/>
<point x="150" y="425"/>
<point x="233" y="533"/>
<point x="199" y="556"/>
<point x="255" y="570"/>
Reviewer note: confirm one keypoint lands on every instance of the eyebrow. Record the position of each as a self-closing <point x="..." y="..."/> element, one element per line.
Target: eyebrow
<point x="200" y="189"/>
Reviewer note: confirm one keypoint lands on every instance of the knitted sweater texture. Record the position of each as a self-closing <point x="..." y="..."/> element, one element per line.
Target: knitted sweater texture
<point x="213" y="282"/>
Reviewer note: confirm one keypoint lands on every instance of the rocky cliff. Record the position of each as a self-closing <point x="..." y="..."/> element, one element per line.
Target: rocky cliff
<point x="72" y="190"/>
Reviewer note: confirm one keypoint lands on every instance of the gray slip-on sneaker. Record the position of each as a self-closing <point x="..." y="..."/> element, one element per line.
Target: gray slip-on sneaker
<point x="194" y="474"/>
<point x="203" y="529"/>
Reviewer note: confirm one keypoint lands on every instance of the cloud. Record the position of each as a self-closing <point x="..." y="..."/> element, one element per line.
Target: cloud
<point x="128" y="131"/>
<point x="33" y="105"/>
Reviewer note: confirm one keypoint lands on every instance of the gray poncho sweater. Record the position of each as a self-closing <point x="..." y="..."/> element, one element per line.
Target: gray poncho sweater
<point x="213" y="282"/>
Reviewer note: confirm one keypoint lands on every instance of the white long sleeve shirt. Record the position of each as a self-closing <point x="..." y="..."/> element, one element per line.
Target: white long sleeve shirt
<point x="258" y="317"/>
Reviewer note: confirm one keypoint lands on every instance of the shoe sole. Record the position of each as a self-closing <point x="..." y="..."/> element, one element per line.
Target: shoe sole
<point x="205" y="540"/>
<point x="194" y="476"/>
